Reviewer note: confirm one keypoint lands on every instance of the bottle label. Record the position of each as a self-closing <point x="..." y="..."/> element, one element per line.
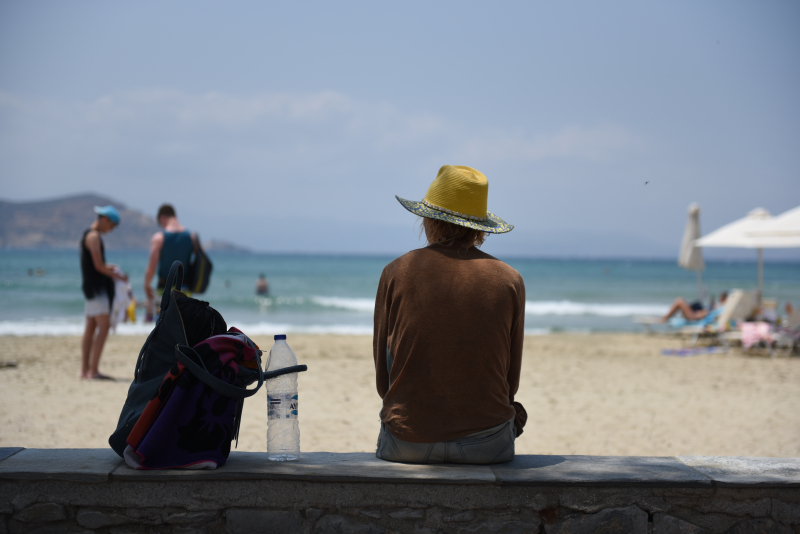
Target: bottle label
<point x="282" y="406"/>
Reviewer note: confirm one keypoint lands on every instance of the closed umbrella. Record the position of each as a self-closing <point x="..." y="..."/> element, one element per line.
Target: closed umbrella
<point x="691" y="256"/>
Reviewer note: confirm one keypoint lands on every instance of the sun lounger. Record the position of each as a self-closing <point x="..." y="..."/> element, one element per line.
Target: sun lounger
<point x="788" y="335"/>
<point x="648" y="322"/>
<point x="677" y="323"/>
<point x="739" y="306"/>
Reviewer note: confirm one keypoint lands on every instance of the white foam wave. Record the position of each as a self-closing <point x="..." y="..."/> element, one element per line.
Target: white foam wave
<point x="566" y="307"/>
<point x="538" y="331"/>
<point x="537" y="307"/>
<point x="64" y="327"/>
<point x="73" y="328"/>
<point x="266" y="302"/>
<point x="269" y="329"/>
<point x="39" y="328"/>
<point x="353" y="304"/>
<point x="57" y="327"/>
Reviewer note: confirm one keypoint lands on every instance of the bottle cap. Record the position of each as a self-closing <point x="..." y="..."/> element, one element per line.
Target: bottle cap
<point x="280" y="336"/>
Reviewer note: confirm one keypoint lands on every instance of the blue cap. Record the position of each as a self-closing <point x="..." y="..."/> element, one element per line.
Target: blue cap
<point x="280" y="336"/>
<point x="108" y="211"/>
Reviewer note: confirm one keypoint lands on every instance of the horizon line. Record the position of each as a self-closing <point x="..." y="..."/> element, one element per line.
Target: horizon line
<point x="564" y="257"/>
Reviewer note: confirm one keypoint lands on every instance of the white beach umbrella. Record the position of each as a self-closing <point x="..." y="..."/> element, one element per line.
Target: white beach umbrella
<point x="691" y="256"/>
<point x="757" y="231"/>
<point x="737" y="233"/>
<point x="782" y="231"/>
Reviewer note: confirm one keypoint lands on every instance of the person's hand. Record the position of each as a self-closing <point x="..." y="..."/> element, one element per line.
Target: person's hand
<point x="149" y="292"/>
<point x="116" y="272"/>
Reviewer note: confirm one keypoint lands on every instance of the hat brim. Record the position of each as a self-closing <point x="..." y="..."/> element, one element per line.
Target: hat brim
<point x="493" y="224"/>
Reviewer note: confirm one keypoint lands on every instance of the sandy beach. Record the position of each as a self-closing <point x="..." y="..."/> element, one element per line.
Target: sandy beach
<point x="597" y="394"/>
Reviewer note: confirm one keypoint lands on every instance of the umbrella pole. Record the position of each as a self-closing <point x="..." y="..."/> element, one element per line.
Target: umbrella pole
<point x="760" y="274"/>
<point x="700" y="291"/>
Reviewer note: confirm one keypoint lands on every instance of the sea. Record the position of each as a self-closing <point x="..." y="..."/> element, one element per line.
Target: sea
<point x="40" y="291"/>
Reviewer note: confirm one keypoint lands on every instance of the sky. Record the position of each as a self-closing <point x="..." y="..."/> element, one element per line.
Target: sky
<point x="289" y="127"/>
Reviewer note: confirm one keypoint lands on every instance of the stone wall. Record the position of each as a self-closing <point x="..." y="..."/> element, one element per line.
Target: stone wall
<point x="80" y="490"/>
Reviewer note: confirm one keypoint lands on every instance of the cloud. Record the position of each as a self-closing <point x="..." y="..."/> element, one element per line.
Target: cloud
<point x="283" y="171"/>
<point x="247" y="166"/>
<point x="601" y="143"/>
<point x="260" y="131"/>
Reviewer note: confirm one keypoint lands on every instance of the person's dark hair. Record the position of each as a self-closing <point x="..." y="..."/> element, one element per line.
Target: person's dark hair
<point x="166" y="210"/>
<point x="723" y="295"/>
<point x="200" y="321"/>
<point x="446" y="233"/>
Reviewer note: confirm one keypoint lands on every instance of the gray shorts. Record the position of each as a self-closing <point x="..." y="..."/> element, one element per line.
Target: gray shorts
<point x="98" y="305"/>
<point x="492" y="446"/>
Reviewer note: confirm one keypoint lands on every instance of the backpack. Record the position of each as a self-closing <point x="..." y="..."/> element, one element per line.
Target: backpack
<point x="159" y="359"/>
<point x="191" y="423"/>
<point x="198" y="273"/>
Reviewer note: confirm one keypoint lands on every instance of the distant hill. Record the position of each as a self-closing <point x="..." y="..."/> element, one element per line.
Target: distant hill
<point x="59" y="223"/>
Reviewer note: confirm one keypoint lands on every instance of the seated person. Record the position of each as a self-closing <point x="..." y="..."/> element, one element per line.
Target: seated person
<point x="447" y="344"/>
<point x="694" y="311"/>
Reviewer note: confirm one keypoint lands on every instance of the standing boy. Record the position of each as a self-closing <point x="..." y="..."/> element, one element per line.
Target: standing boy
<point x="175" y="242"/>
<point x="98" y="289"/>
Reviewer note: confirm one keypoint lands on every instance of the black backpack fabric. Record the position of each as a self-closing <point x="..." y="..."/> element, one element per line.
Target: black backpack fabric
<point x="198" y="272"/>
<point x="200" y="320"/>
<point x="155" y="360"/>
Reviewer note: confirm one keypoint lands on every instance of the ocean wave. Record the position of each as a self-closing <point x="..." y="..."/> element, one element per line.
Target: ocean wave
<point x="566" y="307"/>
<point x="72" y="327"/>
<point x="261" y="329"/>
<point x="535" y="307"/>
<point x="65" y="327"/>
<point x="352" y="304"/>
<point x="538" y="331"/>
<point x="269" y="329"/>
<point x="266" y="302"/>
<point x="46" y="328"/>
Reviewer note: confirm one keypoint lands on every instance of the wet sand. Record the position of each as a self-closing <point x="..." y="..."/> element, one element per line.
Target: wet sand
<point x="598" y="394"/>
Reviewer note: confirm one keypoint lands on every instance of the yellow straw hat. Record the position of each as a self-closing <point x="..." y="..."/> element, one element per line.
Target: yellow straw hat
<point x="458" y="195"/>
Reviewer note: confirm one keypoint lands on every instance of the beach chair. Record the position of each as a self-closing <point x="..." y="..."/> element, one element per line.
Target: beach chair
<point x="739" y="306"/>
<point x="648" y="322"/>
<point x="788" y="335"/>
<point x="675" y="324"/>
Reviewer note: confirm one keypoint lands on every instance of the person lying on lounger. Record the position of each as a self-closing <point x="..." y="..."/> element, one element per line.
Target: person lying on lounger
<point x="694" y="311"/>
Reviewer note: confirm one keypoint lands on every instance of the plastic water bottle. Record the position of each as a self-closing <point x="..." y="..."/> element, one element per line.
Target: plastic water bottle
<point x="283" y="428"/>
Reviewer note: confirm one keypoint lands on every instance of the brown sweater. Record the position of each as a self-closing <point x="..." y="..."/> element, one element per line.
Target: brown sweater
<point x="450" y="324"/>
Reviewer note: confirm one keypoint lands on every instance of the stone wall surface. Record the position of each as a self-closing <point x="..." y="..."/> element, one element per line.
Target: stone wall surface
<point x="92" y="490"/>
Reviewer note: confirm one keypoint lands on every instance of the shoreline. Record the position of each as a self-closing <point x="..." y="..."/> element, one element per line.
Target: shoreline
<point x="74" y="329"/>
<point x="594" y="394"/>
